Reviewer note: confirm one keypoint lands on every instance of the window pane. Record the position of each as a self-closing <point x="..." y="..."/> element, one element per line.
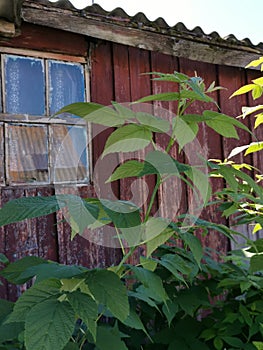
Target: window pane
<point x="69" y="153"/>
<point x="24" y="85"/>
<point x="66" y="84"/>
<point x="2" y="176"/>
<point x="27" y="153"/>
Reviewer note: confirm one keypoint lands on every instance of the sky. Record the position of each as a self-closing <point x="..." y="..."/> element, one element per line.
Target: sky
<point x="243" y="18"/>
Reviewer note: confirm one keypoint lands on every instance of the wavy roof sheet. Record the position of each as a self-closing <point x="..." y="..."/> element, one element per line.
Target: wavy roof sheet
<point x="140" y="20"/>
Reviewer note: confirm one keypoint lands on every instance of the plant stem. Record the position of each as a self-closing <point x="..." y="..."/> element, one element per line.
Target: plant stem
<point x="156" y="187"/>
<point x="125" y="258"/>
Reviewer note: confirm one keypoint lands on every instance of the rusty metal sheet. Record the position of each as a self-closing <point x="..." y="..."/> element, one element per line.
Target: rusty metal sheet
<point x="27" y="153"/>
<point x="69" y="154"/>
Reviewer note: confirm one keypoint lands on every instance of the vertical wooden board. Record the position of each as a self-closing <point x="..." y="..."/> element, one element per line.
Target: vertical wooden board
<point x="20" y="241"/>
<point x="4" y="286"/>
<point x="44" y="228"/>
<point x="122" y="92"/>
<point x="140" y="86"/>
<point x="172" y="193"/>
<point x="232" y="79"/>
<point x="102" y="91"/>
<point x="2" y="169"/>
<point x="211" y="147"/>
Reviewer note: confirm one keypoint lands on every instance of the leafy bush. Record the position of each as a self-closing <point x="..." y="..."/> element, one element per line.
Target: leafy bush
<point x="176" y="296"/>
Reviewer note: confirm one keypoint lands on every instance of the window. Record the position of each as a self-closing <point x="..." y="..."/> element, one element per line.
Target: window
<point x="35" y="149"/>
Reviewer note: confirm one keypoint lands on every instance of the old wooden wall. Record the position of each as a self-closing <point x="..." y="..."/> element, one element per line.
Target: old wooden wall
<point x="116" y="74"/>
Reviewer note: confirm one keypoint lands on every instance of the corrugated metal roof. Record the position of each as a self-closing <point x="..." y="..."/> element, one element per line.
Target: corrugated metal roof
<point x="141" y="21"/>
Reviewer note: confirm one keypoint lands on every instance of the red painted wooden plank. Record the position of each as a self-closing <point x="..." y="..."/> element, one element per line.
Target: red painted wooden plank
<point x="48" y="39"/>
<point x="102" y="91"/>
<point x="211" y="147"/>
<point x="44" y="228"/>
<point x="3" y="287"/>
<point x="172" y="194"/>
<point x="19" y="240"/>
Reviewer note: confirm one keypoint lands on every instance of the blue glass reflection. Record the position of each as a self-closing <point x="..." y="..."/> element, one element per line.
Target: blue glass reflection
<point x="24" y="85"/>
<point x="66" y="84"/>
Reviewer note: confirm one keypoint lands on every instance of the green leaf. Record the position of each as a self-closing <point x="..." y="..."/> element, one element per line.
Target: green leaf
<point x="158" y="240"/>
<point x="254" y="147"/>
<point x="128" y="169"/>
<point x="200" y="182"/>
<point x="152" y="283"/>
<point x="158" y="162"/>
<point x="128" y="138"/>
<point x="246" y="315"/>
<point x="13" y="272"/>
<point x="233" y="341"/>
<point x="170" y="309"/>
<point x="244" y="89"/>
<point x="86" y="309"/>
<point x="124" y="112"/>
<point x="257" y="246"/>
<point x="153" y="123"/>
<point x="176" y="265"/>
<point x="10" y="331"/>
<point x="176" y="77"/>
<point x="93" y="112"/>
<point x="256" y="263"/>
<point x="134" y="321"/>
<point x="108" y="336"/>
<point x="3" y="259"/>
<point x="184" y="132"/>
<point x="212" y="115"/>
<point x="148" y="264"/>
<point x="258" y="345"/>
<point x="140" y="295"/>
<point x="222" y="128"/>
<point x="164" y="96"/>
<point x="28" y="207"/>
<point x="49" y="325"/>
<point x="218" y="343"/>
<point x="35" y="295"/>
<point x="81" y="214"/>
<point x="153" y="228"/>
<point x="108" y="290"/>
<point x="71" y="346"/>
<point x="6" y="308"/>
<point x="124" y="214"/>
<point x="194" y="244"/>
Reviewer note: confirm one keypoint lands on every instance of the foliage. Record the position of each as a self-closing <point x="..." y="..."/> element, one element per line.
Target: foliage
<point x="176" y="297"/>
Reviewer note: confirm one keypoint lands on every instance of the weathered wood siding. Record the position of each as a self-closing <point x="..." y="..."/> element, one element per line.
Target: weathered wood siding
<point x="116" y="74"/>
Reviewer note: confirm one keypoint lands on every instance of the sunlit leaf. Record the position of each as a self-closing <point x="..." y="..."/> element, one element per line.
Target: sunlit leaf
<point x="255" y="63"/>
<point x="244" y="89"/>
<point x="254" y="147"/>
<point x="259" y="120"/>
<point x="257" y="92"/>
